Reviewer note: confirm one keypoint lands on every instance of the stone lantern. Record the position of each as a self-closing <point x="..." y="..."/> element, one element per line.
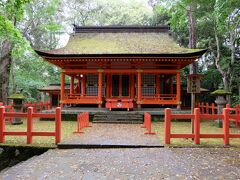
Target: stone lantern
<point x="221" y="102"/>
<point x="17" y="106"/>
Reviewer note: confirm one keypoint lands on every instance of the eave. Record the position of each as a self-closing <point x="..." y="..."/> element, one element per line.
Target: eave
<point x="170" y="55"/>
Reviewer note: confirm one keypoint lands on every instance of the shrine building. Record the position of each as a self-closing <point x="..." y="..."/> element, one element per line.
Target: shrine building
<point x="121" y="67"/>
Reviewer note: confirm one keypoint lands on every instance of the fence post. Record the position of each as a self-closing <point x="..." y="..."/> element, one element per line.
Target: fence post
<point x="207" y="108"/>
<point x="88" y="120"/>
<point x="228" y="106"/>
<point x="144" y="120"/>
<point x="41" y="106"/>
<point x="1" y="104"/>
<point x="226" y="126"/>
<point x="58" y="125"/>
<point x="167" y="126"/>
<point x="2" y="124"/>
<point x="196" y="126"/>
<point x="213" y="108"/>
<point x="202" y="106"/>
<point x="29" y="125"/>
<point x="35" y="107"/>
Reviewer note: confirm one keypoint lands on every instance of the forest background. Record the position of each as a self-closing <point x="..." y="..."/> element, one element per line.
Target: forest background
<point x="46" y="24"/>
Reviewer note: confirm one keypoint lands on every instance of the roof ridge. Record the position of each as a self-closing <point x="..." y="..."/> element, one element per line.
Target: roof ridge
<point x="120" y="29"/>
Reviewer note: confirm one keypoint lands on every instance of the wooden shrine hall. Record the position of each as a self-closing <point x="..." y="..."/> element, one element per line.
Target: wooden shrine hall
<point x="121" y="66"/>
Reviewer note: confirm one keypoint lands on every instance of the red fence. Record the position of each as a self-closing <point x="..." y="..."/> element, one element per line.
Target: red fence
<point x="38" y="107"/>
<point x="207" y="108"/>
<point x="30" y="133"/>
<point x="197" y="116"/>
<point x="212" y="109"/>
<point x="148" y="123"/>
<point x="82" y="122"/>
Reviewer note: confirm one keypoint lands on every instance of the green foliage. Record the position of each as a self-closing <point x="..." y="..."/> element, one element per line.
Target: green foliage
<point x="107" y="12"/>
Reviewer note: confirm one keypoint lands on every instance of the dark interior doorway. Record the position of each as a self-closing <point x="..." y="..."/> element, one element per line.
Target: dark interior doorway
<point x="120" y="85"/>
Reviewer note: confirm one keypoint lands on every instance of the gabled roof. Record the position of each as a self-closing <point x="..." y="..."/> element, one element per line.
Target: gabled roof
<point x="122" y="41"/>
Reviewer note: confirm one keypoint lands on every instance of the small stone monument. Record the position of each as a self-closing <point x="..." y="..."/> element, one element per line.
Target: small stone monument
<point x="17" y="106"/>
<point x="221" y="102"/>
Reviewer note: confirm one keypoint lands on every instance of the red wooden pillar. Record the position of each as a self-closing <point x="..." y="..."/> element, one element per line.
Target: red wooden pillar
<point x="178" y="81"/>
<point x="100" y="77"/>
<point x="167" y="126"/>
<point x="2" y="124"/>
<point x="62" y="87"/>
<point x="139" y="85"/>
<point x="29" y="125"/>
<point x="132" y="86"/>
<point x="58" y="125"/>
<point x="84" y="85"/>
<point x="158" y="85"/>
<point x="196" y="126"/>
<point x="71" y="85"/>
<point x="226" y="113"/>
<point x="79" y="85"/>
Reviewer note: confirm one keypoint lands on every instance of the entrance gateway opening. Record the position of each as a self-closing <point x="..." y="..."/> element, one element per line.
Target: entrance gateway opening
<point x="120" y="86"/>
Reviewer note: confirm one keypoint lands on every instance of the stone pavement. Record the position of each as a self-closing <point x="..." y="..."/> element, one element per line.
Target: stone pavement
<point x="130" y="163"/>
<point x="113" y="135"/>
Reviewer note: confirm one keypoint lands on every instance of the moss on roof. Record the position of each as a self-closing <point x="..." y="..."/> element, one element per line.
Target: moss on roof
<point x="16" y="96"/>
<point x="220" y="92"/>
<point x="122" y="43"/>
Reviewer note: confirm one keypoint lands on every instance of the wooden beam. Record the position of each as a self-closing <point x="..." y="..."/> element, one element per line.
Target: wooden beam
<point x="122" y="71"/>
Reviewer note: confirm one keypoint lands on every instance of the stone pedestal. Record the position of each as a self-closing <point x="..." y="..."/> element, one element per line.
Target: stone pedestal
<point x="221" y="103"/>
<point x="17" y="106"/>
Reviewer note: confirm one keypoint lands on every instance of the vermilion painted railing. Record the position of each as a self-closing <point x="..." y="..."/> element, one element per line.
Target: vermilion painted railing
<point x="37" y="107"/>
<point x="207" y="108"/>
<point x="30" y="133"/>
<point x="225" y="116"/>
<point x="82" y="122"/>
<point x="234" y="111"/>
<point x="148" y="123"/>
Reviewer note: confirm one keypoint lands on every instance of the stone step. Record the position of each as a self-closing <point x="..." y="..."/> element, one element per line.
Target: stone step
<point x="118" y="117"/>
<point x="119" y="122"/>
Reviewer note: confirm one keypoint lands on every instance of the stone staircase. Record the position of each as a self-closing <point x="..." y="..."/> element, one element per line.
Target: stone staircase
<point x="118" y="117"/>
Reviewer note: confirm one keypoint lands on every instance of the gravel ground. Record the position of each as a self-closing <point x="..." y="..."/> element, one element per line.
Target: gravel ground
<point x="115" y="134"/>
<point x="155" y="163"/>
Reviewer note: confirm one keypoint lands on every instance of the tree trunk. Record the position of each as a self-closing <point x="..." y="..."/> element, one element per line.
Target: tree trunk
<point x="5" y="67"/>
<point x="192" y="36"/>
<point x="239" y="89"/>
<point x="226" y="83"/>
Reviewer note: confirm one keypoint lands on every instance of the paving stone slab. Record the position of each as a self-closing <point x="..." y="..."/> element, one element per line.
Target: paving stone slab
<point x="108" y="164"/>
<point x="112" y="135"/>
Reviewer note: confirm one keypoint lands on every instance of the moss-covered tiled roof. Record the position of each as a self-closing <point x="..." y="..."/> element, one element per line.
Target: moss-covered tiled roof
<point x="121" y="41"/>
